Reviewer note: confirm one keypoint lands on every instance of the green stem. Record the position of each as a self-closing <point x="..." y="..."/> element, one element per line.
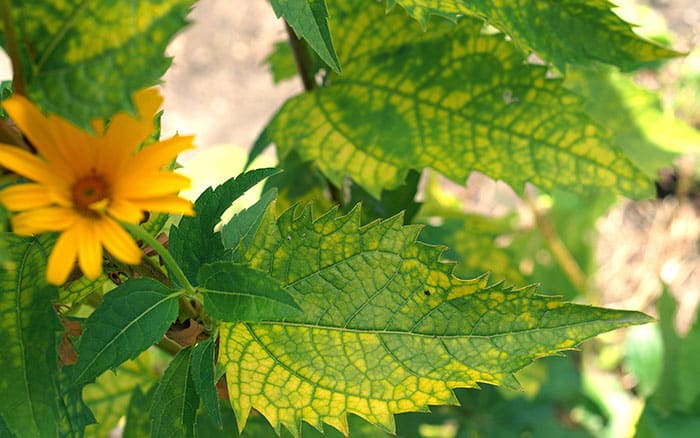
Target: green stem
<point x="12" y="47"/>
<point x="560" y="252"/>
<point x="168" y="259"/>
<point x="302" y="58"/>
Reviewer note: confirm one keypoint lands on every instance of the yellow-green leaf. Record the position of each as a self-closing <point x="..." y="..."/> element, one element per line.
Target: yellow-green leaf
<point x="84" y="59"/>
<point x="386" y="328"/>
<point x="452" y="99"/>
<point x="29" y="359"/>
<point x="561" y="31"/>
<point x="109" y="396"/>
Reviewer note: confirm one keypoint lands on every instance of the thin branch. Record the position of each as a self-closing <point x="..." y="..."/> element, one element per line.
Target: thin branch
<point x="302" y="58"/>
<point x="560" y="252"/>
<point x="12" y="46"/>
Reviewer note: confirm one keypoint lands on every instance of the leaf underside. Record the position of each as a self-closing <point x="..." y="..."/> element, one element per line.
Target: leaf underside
<point x="386" y="328"/>
<point x="452" y="99"/>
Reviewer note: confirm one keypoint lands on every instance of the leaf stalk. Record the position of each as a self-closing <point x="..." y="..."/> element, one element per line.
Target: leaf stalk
<point x="12" y="47"/>
<point x="170" y="263"/>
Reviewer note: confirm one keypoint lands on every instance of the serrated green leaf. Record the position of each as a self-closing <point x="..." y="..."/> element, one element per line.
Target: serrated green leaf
<point x="131" y="318"/>
<point x="391" y="202"/>
<point x="241" y="229"/>
<point x="472" y="242"/>
<point x="84" y="60"/>
<point x="309" y="19"/>
<point x="386" y="328"/>
<point x="300" y="183"/>
<point x="29" y="359"/>
<point x="562" y="32"/>
<point x="452" y="99"/>
<point x="175" y="400"/>
<point x="234" y="292"/>
<point x="204" y="380"/>
<point x="193" y="242"/>
<point x="137" y="422"/>
<point x="110" y="395"/>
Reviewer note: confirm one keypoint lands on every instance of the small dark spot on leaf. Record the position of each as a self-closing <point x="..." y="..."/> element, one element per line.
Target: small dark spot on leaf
<point x="426" y="293"/>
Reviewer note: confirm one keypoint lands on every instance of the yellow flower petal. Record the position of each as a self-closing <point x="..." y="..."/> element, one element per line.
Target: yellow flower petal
<point x="126" y="132"/>
<point x="118" y="242"/>
<point x="42" y="220"/>
<point x="25" y="197"/>
<point x="125" y="211"/>
<point x="26" y="164"/>
<point x="62" y="258"/>
<point x="159" y="184"/>
<point x="166" y="204"/>
<point x="159" y="154"/>
<point x="89" y="248"/>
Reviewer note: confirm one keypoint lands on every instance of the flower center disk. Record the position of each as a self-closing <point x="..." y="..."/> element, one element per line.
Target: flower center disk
<point x="90" y="190"/>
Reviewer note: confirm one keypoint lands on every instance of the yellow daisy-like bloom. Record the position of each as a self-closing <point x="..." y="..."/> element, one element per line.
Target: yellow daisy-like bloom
<point x="83" y="184"/>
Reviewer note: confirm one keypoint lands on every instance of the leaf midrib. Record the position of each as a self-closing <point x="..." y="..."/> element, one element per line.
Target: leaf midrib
<point x="121" y="332"/>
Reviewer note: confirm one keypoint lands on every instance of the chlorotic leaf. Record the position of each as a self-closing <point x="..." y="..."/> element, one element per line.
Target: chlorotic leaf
<point x="234" y="292"/>
<point x="386" y="328"/>
<point x="29" y="360"/>
<point x="562" y="31"/>
<point x="131" y="318"/>
<point x="84" y="60"/>
<point x="203" y="368"/>
<point x="109" y="397"/>
<point x="309" y="19"/>
<point x="175" y="400"/>
<point x="193" y="241"/>
<point x="452" y="99"/>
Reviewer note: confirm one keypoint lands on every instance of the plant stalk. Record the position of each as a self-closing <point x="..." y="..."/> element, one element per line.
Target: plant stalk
<point x="560" y="252"/>
<point x="12" y="47"/>
<point x="302" y="57"/>
<point x="168" y="259"/>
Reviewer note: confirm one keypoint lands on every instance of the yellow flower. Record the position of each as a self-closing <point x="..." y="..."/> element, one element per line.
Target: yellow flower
<point x="83" y="183"/>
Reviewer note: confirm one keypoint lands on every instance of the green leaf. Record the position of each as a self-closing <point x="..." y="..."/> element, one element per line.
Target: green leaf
<point x="234" y="292"/>
<point x="650" y="136"/>
<point x="452" y="99"/>
<point x="29" y="359"/>
<point x="109" y="397"/>
<point x="391" y="202"/>
<point x="137" y="422"/>
<point x="193" y="242"/>
<point x="81" y="288"/>
<point x="309" y="19"/>
<point x="386" y="328"/>
<point x="84" y="60"/>
<point x="562" y="31"/>
<point x="239" y="231"/>
<point x="76" y="415"/>
<point x="471" y="241"/>
<point x="678" y="389"/>
<point x="281" y="62"/>
<point x="175" y="400"/>
<point x="300" y="183"/>
<point x="204" y="380"/>
<point x="131" y="318"/>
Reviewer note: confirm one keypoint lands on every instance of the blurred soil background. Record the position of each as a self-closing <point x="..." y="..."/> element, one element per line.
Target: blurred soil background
<point x="220" y="89"/>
